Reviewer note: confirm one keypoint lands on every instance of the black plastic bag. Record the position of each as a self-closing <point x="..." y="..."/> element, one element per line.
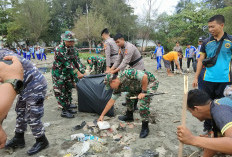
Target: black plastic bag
<point x="92" y="95"/>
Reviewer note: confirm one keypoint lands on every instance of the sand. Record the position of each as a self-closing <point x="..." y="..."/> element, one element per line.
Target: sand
<point x="165" y="111"/>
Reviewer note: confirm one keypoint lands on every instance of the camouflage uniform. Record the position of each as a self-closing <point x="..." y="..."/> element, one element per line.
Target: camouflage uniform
<point x="64" y="71"/>
<point x="99" y="64"/>
<point x="131" y="82"/>
<point x="30" y="104"/>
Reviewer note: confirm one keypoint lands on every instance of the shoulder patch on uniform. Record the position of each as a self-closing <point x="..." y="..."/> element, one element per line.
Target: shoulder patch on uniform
<point x="227" y="45"/>
<point x="119" y="51"/>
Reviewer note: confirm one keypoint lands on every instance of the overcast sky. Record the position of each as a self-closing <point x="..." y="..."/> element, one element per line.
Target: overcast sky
<point x="167" y="6"/>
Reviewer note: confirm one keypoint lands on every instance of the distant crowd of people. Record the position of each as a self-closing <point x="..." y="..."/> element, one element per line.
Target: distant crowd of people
<point x="31" y="51"/>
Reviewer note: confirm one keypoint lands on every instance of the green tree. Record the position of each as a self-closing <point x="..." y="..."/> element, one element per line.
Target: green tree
<point x="89" y="26"/>
<point x="118" y="15"/>
<point x="63" y="16"/>
<point x="33" y="16"/>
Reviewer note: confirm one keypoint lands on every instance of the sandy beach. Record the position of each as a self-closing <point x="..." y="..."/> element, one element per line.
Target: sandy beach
<point x="121" y="140"/>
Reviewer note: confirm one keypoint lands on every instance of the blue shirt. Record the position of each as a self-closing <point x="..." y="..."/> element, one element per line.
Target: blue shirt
<point x="189" y="52"/>
<point x="42" y="50"/>
<point x="31" y="49"/>
<point x="220" y="72"/>
<point x="159" y="51"/>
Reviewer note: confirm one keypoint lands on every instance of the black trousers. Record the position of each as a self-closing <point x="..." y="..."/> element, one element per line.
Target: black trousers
<point x="215" y="91"/>
<point x="189" y="61"/>
<point x="172" y="64"/>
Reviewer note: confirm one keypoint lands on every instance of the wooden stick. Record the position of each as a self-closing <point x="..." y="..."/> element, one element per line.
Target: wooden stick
<point x="184" y="109"/>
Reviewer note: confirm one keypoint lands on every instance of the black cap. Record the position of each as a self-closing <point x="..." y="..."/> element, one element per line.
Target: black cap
<point x="106" y="31"/>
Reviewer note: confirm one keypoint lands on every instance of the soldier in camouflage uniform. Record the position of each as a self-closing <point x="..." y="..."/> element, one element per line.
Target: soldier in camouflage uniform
<point x="66" y="68"/>
<point x="99" y="64"/>
<point x="29" y="107"/>
<point x="136" y="83"/>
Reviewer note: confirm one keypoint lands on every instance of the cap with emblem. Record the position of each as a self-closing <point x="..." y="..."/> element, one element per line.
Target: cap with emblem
<point x="108" y="78"/>
<point x="68" y="36"/>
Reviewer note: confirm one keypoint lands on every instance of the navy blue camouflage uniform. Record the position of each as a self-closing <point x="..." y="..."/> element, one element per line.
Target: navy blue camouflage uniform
<point x="30" y="104"/>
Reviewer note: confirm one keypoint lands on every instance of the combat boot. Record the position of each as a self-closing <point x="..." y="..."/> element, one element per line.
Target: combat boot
<point x="41" y="143"/>
<point x="66" y="114"/>
<point x="70" y="110"/>
<point x="128" y="117"/>
<point x="145" y="129"/>
<point x="16" y="142"/>
<point x="73" y="106"/>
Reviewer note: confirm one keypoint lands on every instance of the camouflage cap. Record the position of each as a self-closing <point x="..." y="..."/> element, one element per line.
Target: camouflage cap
<point x="68" y="36"/>
<point x="107" y="80"/>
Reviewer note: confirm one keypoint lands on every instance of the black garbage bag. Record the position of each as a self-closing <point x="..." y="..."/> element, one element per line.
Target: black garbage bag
<point x="92" y="95"/>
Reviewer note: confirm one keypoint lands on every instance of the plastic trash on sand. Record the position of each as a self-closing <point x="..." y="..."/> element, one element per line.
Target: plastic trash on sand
<point x="103" y="125"/>
<point x="77" y="136"/>
<point x="78" y="149"/>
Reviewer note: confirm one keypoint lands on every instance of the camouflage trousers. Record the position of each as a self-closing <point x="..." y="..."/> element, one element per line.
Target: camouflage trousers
<point x="143" y="105"/>
<point x="30" y="110"/>
<point x="63" y="90"/>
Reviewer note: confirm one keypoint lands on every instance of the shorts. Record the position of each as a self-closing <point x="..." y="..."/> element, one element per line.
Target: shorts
<point x="167" y="63"/>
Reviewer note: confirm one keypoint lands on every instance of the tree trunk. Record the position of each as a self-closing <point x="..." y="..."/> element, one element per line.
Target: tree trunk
<point x="90" y="45"/>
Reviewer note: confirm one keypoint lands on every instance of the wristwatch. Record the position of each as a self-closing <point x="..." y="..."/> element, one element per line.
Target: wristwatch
<point x="17" y="84"/>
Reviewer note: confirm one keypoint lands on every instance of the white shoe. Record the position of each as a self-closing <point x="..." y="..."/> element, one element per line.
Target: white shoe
<point x="187" y="70"/>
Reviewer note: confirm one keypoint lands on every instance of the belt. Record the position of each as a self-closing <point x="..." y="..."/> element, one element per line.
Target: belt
<point x="113" y="54"/>
<point x="136" y="61"/>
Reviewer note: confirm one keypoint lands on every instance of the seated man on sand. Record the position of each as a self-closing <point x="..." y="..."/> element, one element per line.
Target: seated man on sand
<point x="220" y="111"/>
<point x="171" y="56"/>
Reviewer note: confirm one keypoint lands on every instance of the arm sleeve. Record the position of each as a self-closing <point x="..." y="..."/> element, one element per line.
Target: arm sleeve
<point x="107" y="52"/>
<point x="195" y="50"/>
<point x="162" y="50"/>
<point x="186" y="51"/>
<point x="126" y="60"/>
<point x="155" y="51"/>
<point x="118" y="60"/>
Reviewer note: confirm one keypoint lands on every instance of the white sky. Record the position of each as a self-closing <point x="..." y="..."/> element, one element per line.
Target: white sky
<point x="167" y="6"/>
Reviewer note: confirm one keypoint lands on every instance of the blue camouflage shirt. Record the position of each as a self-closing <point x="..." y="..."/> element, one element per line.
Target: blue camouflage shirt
<point x="33" y="80"/>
